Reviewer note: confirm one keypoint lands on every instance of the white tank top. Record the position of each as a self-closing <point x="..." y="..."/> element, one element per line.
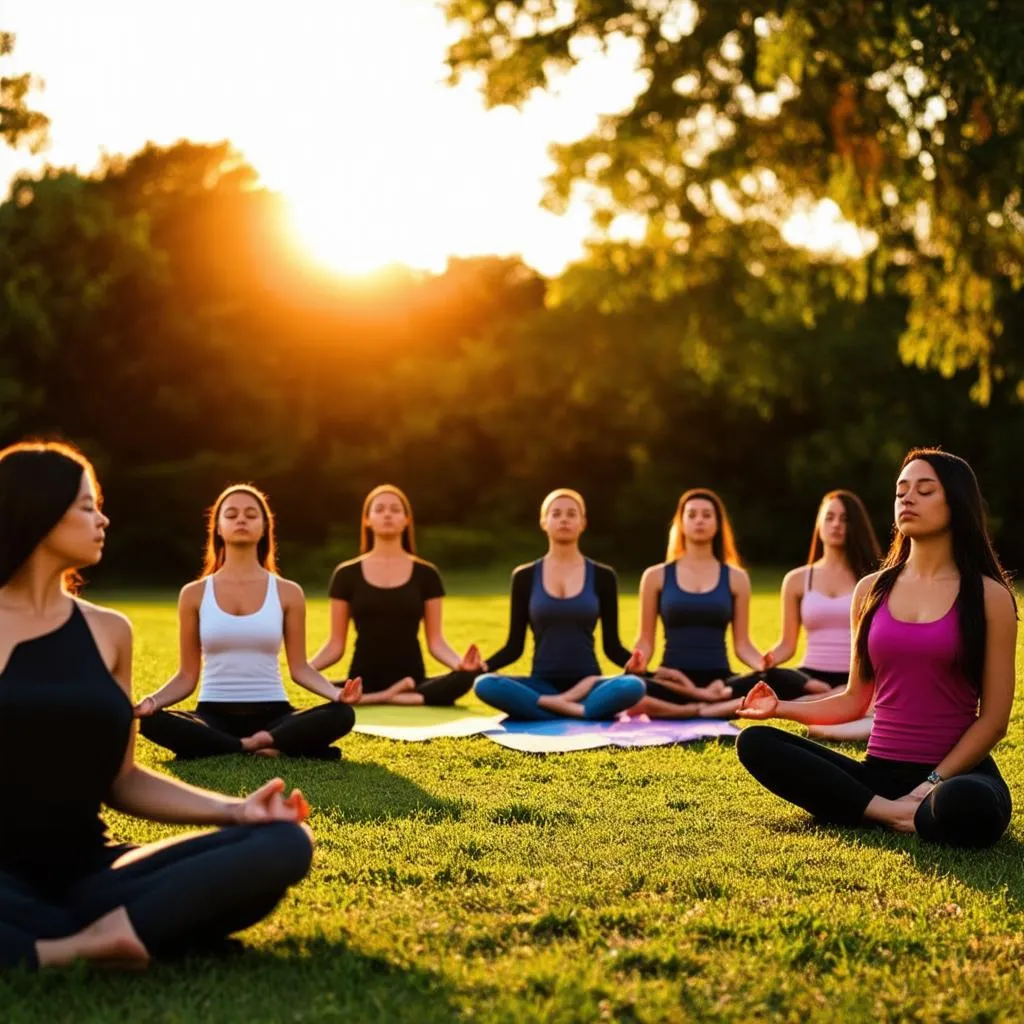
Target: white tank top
<point x="240" y="652"/>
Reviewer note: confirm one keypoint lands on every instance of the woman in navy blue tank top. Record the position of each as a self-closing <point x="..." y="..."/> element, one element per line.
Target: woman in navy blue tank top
<point x="698" y="593"/>
<point x="67" y="891"/>
<point x="561" y="597"/>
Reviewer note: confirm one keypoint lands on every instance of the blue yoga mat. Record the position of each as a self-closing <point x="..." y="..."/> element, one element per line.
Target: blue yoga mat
<point x="564" y="735"/>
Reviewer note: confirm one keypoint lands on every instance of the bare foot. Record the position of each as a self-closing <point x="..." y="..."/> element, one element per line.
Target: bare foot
<point x="254" y="743"/>
<point x="110" y="941"/>
<point x="403" y="685"/>
<point x="267" y="752"/>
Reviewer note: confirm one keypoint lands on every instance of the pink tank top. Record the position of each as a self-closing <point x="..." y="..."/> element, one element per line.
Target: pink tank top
<point x="923" y="702"/>
<point x="827" y="621"/>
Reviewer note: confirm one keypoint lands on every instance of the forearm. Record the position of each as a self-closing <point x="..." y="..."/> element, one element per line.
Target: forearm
<point x="330" y="654"/>
<point x="147" y="794"/>
<point x="749" y="655"/>
<point x="972" y="748"/>
<point x="308" y="678"/>
<point x="441" y="651"/>
<point x="842" y="707"/>
<point x="175" y="690"/>
<point x="782" y="652"/>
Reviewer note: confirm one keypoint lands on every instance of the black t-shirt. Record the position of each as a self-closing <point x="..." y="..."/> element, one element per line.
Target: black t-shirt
<point x="387" y="621"/>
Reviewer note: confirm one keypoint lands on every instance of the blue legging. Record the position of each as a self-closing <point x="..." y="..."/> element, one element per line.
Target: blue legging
<point x="517" y="696"/>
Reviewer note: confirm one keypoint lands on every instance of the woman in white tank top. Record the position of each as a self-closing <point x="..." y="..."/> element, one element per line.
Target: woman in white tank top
<point x="234" y="621"/>
<point x="817" y="596"/>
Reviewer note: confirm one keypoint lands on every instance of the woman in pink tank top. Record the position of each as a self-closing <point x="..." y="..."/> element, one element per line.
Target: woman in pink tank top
<point x="818" y="596"/>
<point x="935" y="639"/>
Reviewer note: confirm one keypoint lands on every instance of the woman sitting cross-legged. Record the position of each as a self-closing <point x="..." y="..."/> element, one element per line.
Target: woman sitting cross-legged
<point x="67" y="744"/>
<point x="387" y="592"/>
<point x="561" y="597"/>
<point x="936" y="634"/>
<point x="233" y="621"/>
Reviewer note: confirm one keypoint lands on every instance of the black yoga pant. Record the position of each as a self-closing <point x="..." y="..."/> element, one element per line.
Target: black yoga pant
<point x="183" y="894"/>
<point x="439" y="691"/>
<point x="218" y="728"/>
<point x="790" y="685"/>
<point x="972" y="809"/>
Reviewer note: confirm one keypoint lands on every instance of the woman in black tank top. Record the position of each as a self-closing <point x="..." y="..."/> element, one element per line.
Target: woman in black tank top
<point x="67" y="891"/>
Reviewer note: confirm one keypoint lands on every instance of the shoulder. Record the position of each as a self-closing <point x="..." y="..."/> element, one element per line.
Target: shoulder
<point x="999" y="603"/>
<point x="289" y="590"/>
<point x="351" y="566"/>
<point x="106" y="621"/>
<point x="864" y="587"/>
<point x="421" y="567"/>
<point x="600" y="569"/>
<point x="739" y="580"/>
<point x="525" y="570"/>
<point x="796" y="577"/>
<point x="654" y="574"/>
<point x="192" y="593"/>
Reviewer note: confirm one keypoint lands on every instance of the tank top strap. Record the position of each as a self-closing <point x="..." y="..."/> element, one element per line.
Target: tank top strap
<point x="272" y="592"/>
<point x="809" y="583"/>
<point x="723" y="578"/>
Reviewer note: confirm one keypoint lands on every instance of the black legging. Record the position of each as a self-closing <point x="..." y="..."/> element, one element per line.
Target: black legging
<point x="180" y="894"/>
<point x="972" y="809"/>
<point x="788" y="684"/>
<point x="441" y="691"/>
<point x="218" y="728"/>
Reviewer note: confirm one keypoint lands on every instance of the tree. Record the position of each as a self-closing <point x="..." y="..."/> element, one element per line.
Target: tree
<point x="905" y="113"/>
<point x="19" y="126"/>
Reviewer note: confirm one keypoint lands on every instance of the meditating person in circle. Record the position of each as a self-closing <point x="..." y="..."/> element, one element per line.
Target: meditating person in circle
<point x="936" y="633"/>
<point x="698" y="592"/>
<point x="818" y="597"/>
<point x="561" y="597"/>
<point x="67" y="891"/>
<point x="232" y="623"/>
<point x="387" y="592"/>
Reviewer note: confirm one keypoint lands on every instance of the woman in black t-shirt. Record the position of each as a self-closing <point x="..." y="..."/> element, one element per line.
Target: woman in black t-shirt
<point x="386" y="592"/>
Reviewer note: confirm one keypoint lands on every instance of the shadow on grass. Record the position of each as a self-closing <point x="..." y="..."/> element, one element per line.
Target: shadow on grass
<point x="990" y="870"/>
<point x="352" y="790"/>
<point x="307" y="979"/>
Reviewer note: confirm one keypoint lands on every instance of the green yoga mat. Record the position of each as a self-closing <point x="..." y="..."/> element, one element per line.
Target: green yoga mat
<point x="415" y="724"/>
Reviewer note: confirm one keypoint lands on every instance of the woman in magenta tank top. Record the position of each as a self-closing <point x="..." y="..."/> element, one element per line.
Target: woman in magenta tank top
<point x="935" y="639"/>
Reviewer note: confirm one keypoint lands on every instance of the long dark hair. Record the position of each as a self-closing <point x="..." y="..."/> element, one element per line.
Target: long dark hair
<point x="366" y="533"/>
<point x="266" y="546"/>
<point x="723" y="544"/>
<point x="862" y="550"/>
<point x="972" y="550"/>
<point x="39" y="482"/>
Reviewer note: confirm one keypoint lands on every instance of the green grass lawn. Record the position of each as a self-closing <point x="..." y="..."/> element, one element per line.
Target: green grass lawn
<point x="459" y="880"/>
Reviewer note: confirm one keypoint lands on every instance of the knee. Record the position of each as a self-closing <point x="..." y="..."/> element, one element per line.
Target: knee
<point x="632" y="688"/>
<point x="754" y="744"/>
<point x="964" y="812"/>
<point x="343" y="715"/>
<point x="290" y="850"/>
<point x="488" y="687"/>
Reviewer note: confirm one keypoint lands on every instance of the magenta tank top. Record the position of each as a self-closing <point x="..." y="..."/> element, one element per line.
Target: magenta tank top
<point x="923" y="702"/>
<point x="827" y="621"/>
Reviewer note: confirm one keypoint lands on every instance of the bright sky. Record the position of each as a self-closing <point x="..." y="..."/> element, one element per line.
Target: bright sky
<point x="340" y="105"/>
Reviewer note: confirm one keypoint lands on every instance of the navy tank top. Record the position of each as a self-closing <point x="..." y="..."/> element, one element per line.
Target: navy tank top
<point x="695" y="624"/>
<point x="563" y="630"/>
<point x="64" y="728"/>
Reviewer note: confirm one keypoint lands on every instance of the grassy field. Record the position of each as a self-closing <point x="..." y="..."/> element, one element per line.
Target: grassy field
<point x="457" y="880"/>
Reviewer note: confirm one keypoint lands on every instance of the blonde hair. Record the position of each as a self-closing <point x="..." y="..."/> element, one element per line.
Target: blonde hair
<point x="562" y="492"/>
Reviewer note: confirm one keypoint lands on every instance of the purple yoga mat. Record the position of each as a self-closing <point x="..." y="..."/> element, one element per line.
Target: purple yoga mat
<point x="565" y="735"/>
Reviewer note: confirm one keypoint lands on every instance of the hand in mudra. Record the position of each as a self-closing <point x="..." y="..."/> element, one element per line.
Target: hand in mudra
<point x="145" y="708"/>
<point x="637" y="663"/>
<point x="761" y="702"/>
<point x="471" y="661"/>
<point x="351" y="691"/>
<point x="268" y="804"/>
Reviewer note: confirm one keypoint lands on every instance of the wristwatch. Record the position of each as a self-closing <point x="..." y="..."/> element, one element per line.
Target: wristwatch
<point x="934" y="778"/>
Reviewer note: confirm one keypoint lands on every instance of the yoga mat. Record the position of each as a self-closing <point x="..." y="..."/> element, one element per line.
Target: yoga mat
<point x="567" y="735"/>
<point x="415" y="724"/>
